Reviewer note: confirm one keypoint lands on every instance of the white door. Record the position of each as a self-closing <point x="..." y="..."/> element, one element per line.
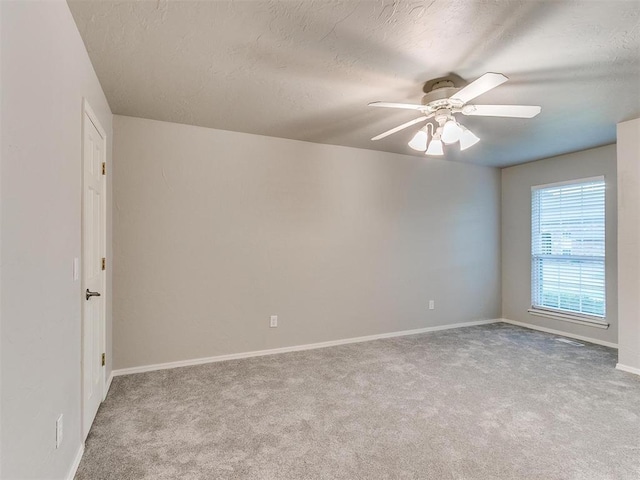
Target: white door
<point x="93" y="235"/>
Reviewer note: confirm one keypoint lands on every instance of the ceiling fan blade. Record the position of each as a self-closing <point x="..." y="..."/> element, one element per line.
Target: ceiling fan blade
<point x="479" y="86"/>
<point x="518" y="111"/>
<point x="400" y="127"/>
<point x="409" y="106"/>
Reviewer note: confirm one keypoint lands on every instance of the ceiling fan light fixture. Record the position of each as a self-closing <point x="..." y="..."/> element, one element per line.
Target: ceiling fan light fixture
<point x="435" y="148"/>
<point x="419" y="140"/>
<point x="467" y="139"/>
<point x="451" y="131"/>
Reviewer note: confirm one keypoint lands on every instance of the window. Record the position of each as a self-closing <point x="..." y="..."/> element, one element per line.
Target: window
<point x="567" y="250"/>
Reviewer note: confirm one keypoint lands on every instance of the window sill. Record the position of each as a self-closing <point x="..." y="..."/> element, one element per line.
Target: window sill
<point x="567" y="317"/>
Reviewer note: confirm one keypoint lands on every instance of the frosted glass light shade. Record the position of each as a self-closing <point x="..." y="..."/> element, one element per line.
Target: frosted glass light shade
<point x="419" y="141"/>
<point x="435" y="148"/>
<point x="451" y="132"/>
<point x="467" y="139"/>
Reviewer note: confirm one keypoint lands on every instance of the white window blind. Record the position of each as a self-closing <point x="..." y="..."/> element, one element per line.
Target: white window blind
<point x="568" y="255"/>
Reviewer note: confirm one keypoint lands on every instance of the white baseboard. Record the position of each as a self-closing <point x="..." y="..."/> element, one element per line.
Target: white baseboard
<point x="628" y="369"/>
<point x="76" y="463"/>
<point x="559" y="332"/>
<point x="295" y="348"/>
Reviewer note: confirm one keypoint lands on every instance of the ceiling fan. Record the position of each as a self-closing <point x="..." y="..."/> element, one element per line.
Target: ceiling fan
<point x="442" y="102"/>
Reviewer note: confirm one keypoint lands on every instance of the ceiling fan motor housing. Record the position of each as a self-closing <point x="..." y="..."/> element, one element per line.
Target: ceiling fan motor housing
<point x="440" y="95"/>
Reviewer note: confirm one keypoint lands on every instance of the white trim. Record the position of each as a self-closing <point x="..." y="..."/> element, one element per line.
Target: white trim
<point x="86" y="108"/>
<point x="568" y="182"/>
<point x="295" y="348"/>
<point x="561" y="333"/>
<point x="107" y="386"/>
<point x="76" y="463"/>
<point x="93" y="118"/>
<point x="628" y="369"/>
<point x="567" y="317"/>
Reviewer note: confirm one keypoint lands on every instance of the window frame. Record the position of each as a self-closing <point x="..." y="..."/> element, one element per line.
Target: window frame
<point x="558" y="313"/>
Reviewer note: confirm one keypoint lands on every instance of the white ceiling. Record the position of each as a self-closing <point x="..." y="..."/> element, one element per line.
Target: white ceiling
<point x="307" y="69"/>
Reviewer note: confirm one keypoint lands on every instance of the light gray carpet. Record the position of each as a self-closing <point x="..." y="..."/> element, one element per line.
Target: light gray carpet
<point x="491" y="402"/>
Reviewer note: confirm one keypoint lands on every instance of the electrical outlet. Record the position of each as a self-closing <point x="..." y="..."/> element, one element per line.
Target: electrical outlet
<point x="432" y="305"/>
<point x="273" y="323"/>
<point x="59" y="431"/>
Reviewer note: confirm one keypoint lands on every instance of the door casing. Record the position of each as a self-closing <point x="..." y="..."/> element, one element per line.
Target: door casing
<point x="88" y="112"/>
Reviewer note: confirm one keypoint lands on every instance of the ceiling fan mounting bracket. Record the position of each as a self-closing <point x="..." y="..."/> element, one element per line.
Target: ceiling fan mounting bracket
<point x="442" y="84"/>
<point x="449" y="80"/>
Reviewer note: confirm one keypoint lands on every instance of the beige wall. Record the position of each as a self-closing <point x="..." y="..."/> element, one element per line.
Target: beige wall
<point x="629" y="243"/>
<point x="516" y="234"/>
<point x="214" y="231"/>
<point x="45" y="74"/>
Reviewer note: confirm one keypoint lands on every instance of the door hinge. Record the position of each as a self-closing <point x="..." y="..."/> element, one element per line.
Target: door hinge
<point x="104" y="359"/>
<point x="104" y="168"/>
<point x="104" y="263"/>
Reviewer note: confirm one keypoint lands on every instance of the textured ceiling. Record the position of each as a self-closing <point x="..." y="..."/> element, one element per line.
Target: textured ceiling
<point x="306" y="70"/>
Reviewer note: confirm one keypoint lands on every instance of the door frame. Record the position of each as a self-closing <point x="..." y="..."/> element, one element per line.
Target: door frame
<point x="93" y="118"/>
